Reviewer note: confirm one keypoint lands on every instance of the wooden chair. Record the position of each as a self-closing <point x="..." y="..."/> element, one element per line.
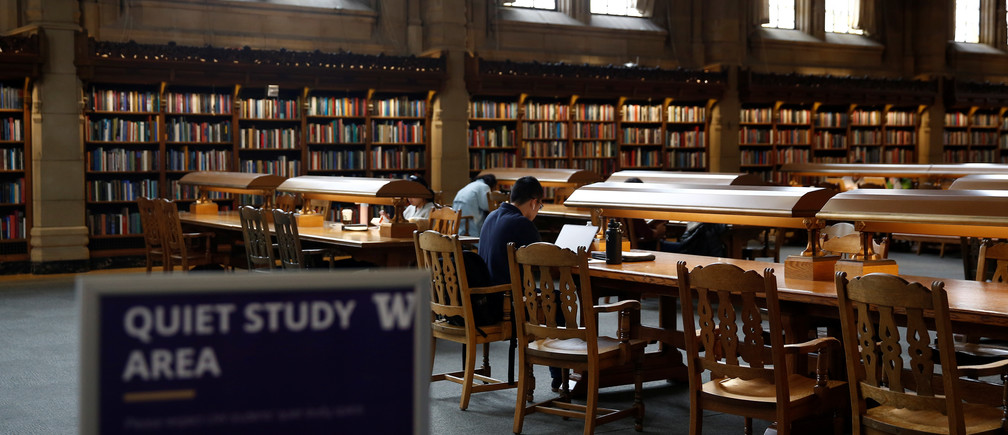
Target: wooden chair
<point x="972" y="349"/>
<point x="451" y="299"/>
<point x="557" y="326"/>
<point x="184" y="249"/>
<point x="289" y="242"/>
<point x="445" y="220"/>
<point x="766" y="243"/>
<point x="150" y="221"/>
<point x="258" y="243"/>
<point x="496" y="198"/>
<point x="889" y="396"/>
<point x="748" y="376"/>
<point x="286" y="202"/>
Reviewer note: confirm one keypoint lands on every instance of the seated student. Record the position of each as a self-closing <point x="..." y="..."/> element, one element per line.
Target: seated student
<point x="512" y="222"/>
<point x="418" y="208"/>
<point x="699" y="239"/>
<point x="471" y="200"/>
<point x="646" y="232"/>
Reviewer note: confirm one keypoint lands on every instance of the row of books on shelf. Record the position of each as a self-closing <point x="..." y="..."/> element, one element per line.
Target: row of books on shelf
<point x="113" y="100"/>
<point x="119" y="190"/>
<point x="321" y="105"/>
<point x="862" y="117"/>
<point x="795" y="116"/>
<point x="755" y="157"/>
<point x="483" y="159"/>
<point x="642" y="136"/>
<point x="197" y="103"/>
<point x="641" y="113"/>
<point x="280" y="165"/>
<point x="974" y="137"/>
<point x="792" y="137"/>
<point x="121" y="130"/>
<point x="400" y="106"/>
<point x="969" y="156"/>
<point x="336" y="160"/>
<point x="12" y="192"/>
<point x="687" y="160"/>
<point x="545" y="164"/>
<point x="119" y="159"/>
<point x="594" y="131"/>
<point x="545" y="149"/>
<point x="982" y="120"/>
<point x="594" y="112"/>
<point x="594" y="149"/>
<point x="601" y="166"/>
<point x="12" y="225"/>
<point x="11" y="129"/>
<point x="269" y="138"/>
<point x="792" y="155"/>
<point x="687" y="139"/>
<point x="268" y="108"/>
<point x="493" y="109"/>
<point x="337" y="131"/>
<point x="547" y="111"/>
<point x="544" y="130"/>
<point x="105" y="224"/>
<point x="208" y="160"/>
<point x="10" y="98"/>
<point x="182" y="130"/>
<point x="640" y="158"/>
<point x="399" y="132"/>
<point x="496" y="137"/>
<point x="397" y="158"/>
<point x="11" y="159"/>
<point x="686" y="114"/>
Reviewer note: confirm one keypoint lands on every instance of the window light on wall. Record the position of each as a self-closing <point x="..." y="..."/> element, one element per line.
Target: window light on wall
<point x="532" y="4"/>
<point x="627" y="8"/>
<point x="967" y="21"/>
<point x="782" y="14"/>
<point x="842" y="16"/>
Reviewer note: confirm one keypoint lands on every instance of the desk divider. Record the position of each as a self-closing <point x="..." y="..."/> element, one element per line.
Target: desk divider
<point x="230" y="182"/>
<point x="769" y="206"/>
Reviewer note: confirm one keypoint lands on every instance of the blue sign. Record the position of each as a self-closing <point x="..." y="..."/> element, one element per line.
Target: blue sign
<point x="258" y="353"/>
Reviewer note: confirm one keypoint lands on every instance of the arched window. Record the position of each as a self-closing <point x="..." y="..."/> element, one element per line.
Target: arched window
<point x="626" y="8"/>
<point x="967" y="21"/>
<point x="843" y="16"/>
<point x="532" y="4"/>
<point x="781" y="14"/>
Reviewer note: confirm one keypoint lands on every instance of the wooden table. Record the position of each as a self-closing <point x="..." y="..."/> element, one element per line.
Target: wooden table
<point x="975" y="307"/>
<point x="366" y="246"/>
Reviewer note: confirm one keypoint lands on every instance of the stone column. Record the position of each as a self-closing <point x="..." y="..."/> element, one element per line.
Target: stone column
<point x="724" y="127"/>
<point x="446" y="29"/>
<point x="59" y="237"/>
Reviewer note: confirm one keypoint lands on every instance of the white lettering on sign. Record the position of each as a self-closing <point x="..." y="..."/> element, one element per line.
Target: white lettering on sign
<point x="142" y="323"/>
<point x="165" y="364"/>
<point x="291" y="316"/>
<point x="394" y="311"/>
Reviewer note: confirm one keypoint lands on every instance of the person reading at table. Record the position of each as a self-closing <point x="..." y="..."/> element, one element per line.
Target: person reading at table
<point x="512" y="222"/>
<point x="418" y="208"/>
<point x="471" y="200"/>
<point x="647" y="233"/>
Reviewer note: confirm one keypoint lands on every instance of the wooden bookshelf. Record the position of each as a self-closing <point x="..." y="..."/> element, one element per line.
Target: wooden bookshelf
<point x="400" y="134"/>
<point x="492" y="134"/>
<point x="336" y="132"/>
<point x="900" y="129"/>
<point x="15" y="166"/>
<point x="198" y="136"/>
<point x="593" y="135"/>
<point x="641" y="134"/>
<point x="686" y="143"/>
<point x="122" y="162"/>
<point x="756" y="139"/>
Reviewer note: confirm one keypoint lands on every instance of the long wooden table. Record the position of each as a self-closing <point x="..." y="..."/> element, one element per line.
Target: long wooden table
<point x="975" y="307"/>
<point x="366" y="246"/>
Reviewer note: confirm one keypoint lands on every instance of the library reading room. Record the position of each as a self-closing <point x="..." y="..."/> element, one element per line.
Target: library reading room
<point x="503" y="216"/>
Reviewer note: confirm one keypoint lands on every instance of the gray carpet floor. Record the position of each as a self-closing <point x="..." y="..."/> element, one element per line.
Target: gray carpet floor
<point x="39" y="358"/>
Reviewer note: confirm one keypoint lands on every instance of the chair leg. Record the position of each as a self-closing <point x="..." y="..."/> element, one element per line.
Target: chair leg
<point x="521" y="396"/>
<point x="748" y="426"/>
<point x="696" y="414"/>
<point x="638" y="395"/>
<point x="468" y="369"/>
<point x="486" y="360"/>
<point x="433" y="351"/>
<point x="591" y="404"/>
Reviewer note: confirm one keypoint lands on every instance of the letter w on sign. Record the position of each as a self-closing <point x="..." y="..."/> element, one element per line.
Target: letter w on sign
<point x="395" y="311"/>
